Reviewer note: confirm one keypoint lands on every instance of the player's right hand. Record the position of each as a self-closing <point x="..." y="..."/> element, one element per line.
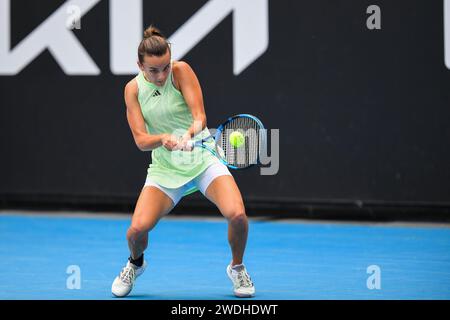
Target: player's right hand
<point x="170" y="142"/>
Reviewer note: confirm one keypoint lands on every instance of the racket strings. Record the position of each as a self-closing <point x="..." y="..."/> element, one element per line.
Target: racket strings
<point x="248" y="153"/>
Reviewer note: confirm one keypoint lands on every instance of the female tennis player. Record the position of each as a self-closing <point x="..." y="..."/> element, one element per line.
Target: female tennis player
<point x="165" y="110"/>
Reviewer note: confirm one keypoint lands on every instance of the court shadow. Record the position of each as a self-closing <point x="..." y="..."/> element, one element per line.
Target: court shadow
<point x="143" y="297"/>
<point x="181" y="297"/>
<point x="233" y="297"/>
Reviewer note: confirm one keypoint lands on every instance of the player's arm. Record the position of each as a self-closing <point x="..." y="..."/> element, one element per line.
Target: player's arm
<point x="189" y="86"/>
<point x="142" y="138"/>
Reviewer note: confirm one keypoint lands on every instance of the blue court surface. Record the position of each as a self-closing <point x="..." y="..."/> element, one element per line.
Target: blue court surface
<point x="187" y="259"/>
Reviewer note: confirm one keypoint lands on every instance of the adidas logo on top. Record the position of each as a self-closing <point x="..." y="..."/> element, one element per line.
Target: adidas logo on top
<point x="156" y="93"/>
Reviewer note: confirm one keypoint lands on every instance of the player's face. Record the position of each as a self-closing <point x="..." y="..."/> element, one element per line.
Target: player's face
<point x="156" y="69"/>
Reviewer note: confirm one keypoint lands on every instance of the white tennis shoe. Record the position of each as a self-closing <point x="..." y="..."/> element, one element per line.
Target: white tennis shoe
<point x="242" y="283"/>
<point x="124" y="282"/>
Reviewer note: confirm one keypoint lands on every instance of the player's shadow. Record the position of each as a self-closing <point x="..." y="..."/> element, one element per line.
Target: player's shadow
<point x="140" y="297"/>
<point x="180" y="297"/>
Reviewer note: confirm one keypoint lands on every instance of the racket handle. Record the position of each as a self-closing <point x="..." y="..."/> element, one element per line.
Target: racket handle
<point x="190" y="144"/>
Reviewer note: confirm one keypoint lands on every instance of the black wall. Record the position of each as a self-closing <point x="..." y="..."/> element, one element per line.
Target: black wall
<point x="363" y="114"/>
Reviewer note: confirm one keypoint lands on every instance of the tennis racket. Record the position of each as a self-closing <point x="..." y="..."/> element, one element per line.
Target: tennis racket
<point x="243" y="156"/>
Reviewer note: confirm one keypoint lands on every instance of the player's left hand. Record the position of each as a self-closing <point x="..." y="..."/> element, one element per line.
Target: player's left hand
<point x="183" y="143"/>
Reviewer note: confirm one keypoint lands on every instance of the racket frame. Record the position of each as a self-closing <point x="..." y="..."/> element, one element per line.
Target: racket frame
<point x="216" y="137"/>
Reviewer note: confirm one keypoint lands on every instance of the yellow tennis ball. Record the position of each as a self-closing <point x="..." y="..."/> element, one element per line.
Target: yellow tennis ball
<point x="236" y="139"/>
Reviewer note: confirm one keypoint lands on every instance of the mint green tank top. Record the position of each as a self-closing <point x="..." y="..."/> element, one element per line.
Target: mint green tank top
<point x="165" y="111"/>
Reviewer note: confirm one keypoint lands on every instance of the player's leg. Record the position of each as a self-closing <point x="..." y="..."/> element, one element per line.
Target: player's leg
<point x="152" y="204"/>
<point x="225" y="194"/>
<point x="217" y="184"/>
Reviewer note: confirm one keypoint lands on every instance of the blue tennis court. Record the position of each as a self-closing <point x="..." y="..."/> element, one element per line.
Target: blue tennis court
<point x="187" y="259"/>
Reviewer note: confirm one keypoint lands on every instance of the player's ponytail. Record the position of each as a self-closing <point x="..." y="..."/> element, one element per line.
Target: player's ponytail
<point x="152" y="31"/>
<point x="153" y="44"/>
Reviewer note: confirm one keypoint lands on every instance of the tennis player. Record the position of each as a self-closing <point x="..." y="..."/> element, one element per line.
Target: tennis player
<point x="164" y="99"/>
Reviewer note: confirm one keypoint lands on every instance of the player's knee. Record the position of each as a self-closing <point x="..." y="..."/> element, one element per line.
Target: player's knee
<point x="237" y="215"/>
<point x="141" y="226"/>
<point x="135" y="232"/>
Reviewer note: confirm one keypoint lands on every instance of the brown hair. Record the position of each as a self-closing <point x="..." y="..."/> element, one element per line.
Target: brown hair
<point x="153" y="44"/>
